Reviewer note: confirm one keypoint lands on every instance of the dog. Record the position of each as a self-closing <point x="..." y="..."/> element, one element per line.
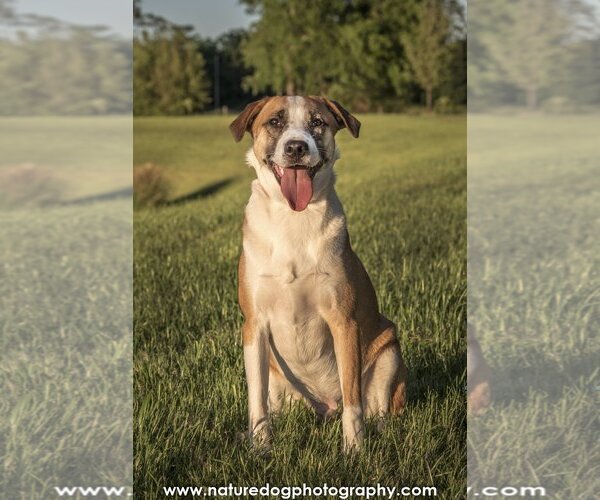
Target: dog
<point x="479" y="377"/>
<point x="312" y="328"/>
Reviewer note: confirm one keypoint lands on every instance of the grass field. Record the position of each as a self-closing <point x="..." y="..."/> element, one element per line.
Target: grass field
<point x="403" y="185"/>
<point x="534" y="299"/>
<point x="65" y="312"/>
<point x="87" y="154"/>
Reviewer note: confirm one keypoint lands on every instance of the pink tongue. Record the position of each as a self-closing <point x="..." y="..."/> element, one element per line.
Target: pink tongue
<point x="296" y="186"/>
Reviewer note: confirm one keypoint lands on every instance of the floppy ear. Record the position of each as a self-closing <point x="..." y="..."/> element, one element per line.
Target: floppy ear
<point x="243" y="123"/>
<point x="343" y="117"/>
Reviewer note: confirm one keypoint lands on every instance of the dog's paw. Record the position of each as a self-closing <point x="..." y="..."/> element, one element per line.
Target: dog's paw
<point x="353" y="441"/>
<point x="352" y="446"/>
<point x="353" y="428"/>
<point x="261" y="448"/>
<point x="260" y="441"/>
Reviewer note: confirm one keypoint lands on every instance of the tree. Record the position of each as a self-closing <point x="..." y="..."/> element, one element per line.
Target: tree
<point x="426" y="46"/>
<point x="371" y="67"/>
<point x="291" y="48"/>
<point x="523" y="39"/>
<point x="77" y="70"/>
<point x="168" y="74"/>
<point x="226" y="68"/>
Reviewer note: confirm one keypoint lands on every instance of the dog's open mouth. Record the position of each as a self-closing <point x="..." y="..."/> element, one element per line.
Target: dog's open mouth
<point x="296" y="183"/>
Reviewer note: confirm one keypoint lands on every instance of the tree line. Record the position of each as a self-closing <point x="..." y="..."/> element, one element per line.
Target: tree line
<point x="389" y="55"/>
<point x="49" y="67"/>
<point x="374" y="55"/>
<point x="534" y="53"/>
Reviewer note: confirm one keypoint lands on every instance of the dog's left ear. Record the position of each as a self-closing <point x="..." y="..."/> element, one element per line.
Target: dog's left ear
<point x="243" y="123"/>
<point x="343" y="116"/>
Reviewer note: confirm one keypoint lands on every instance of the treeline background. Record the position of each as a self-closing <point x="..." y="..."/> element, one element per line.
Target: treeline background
<point x="373" y="55"/>
<point x="50" y="67"/>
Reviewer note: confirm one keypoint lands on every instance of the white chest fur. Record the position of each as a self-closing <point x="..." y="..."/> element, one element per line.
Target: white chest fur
<point x="291" y="260"/>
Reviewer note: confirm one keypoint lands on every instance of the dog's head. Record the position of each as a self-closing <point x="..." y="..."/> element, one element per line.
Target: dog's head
<point x="294" y="144"/>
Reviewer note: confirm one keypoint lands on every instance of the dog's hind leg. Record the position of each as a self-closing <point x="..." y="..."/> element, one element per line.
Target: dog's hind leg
<point x="385" y="376"/>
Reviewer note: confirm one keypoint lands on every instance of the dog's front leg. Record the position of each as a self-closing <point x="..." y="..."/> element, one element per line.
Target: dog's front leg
<point x="346" y="343"/>
<point x="256" y="363"/>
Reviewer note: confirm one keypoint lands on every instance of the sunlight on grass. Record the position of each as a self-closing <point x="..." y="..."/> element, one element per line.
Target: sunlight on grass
<point x="533" y="297"/>
<point x="403" y="187"/>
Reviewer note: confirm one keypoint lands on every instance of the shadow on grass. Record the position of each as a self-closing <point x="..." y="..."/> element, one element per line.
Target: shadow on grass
<point x="436" y="376"/>
<point x="126" y="192"/>
<point x="208" y="190"/>
<point x="514" y="381"/>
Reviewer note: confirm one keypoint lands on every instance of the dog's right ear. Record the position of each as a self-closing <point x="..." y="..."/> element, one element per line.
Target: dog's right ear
<point x="243" y="123"/>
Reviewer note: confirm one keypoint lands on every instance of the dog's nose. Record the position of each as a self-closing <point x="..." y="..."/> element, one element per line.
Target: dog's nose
<point x="296" y="149"/>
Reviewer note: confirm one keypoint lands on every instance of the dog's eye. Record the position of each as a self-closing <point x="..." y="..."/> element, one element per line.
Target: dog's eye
<point x="275" y="122"/>
<point x="317" y="122"/>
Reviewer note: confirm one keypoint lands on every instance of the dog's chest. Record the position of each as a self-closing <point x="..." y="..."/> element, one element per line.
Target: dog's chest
<point x="292" y="257"/>
<point x="290" y="271"/>
<point x="292" y="264"/>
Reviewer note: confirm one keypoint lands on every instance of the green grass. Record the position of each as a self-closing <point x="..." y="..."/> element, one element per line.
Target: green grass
<point x="87" y="154"/>
<point x="403" y="185"/>
<point x="65" y="313"/>
<point x="533" y="297"/>
<point x="66" y="346"/>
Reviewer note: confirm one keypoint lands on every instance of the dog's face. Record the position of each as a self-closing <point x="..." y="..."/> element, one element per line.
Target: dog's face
<point x="294" y="144"/>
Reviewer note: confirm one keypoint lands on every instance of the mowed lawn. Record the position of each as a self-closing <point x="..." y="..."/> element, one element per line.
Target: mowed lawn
<point x="65" y="308"/>
<point x="403" y="186"/>
<point x="534" y="293"/>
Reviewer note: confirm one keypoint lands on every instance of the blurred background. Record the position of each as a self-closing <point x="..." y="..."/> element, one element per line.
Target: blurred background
<point x="533" y="260"/>
<point x="66" y="250"/>
<point x="60" y="59"/>
<point x="373" y="55"/>
<point x="542" y="55"/>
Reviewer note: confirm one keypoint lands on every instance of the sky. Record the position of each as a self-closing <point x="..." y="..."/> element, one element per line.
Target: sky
<point x="117" y="15"/>
<point x="209" y="17"/>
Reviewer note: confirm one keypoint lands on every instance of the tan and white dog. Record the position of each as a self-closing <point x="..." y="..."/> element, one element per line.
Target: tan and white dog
<point x="312" y="328"/>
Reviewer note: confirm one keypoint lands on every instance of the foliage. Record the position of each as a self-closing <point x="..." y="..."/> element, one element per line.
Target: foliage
<point x="355" y="51"/>
<point x="150" y="187"/>
<point x="426" y="46"/>
<point x="522" y="51"/>
<point x="168" y="74"/>
<point x="371" y="71"/>
<point x="69" y="71"/>
<point x="225" y="65"/>
<point x="29" y="185"/>
<point x="289" y="47"/>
